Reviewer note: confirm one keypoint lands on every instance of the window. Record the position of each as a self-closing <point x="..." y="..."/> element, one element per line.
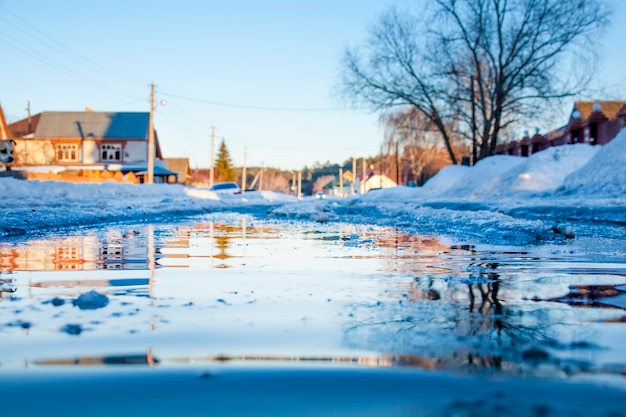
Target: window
<point x="111" y="152"/>
<point x="67" y="153"/>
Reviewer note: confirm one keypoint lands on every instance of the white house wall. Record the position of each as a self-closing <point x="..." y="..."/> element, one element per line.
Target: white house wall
<point x="90" y="152"/>
<point x="135" y="151"/>
<point x="379" y="181"/>
<point x="34" y="152"/>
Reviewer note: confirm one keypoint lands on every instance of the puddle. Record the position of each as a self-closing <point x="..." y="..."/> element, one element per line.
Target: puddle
<point x="230" y="289"/>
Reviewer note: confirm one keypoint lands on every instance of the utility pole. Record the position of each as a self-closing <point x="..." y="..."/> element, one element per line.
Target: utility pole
<point x="30" y="120"/>
<point x="243" y="174"/>
<point x="299" y="184"/>
<point x="261" y="178"/>
<point x="211" y="162"/>
<point x="151" y="139"/>
<point x="150" y="179"/>
<point x="294" y="185"/>
<point x="352" y="189"/>
<point x="341" y="182"/>
<point x="364" y="174"/>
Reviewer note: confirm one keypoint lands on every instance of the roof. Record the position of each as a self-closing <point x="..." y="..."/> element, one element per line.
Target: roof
<point x="24" y="127"/>
<point x="180" y="165"/>
<point x="93" y="125"/>
<point x="157" y="171"/>
<point x="608" y="108"/>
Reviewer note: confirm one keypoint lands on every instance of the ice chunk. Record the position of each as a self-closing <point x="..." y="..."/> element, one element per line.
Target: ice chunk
<point x="72" y="329"/>
<point x="91" y="300"/>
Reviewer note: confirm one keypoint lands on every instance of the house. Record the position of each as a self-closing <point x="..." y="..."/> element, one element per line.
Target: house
<point x="181" y="167"/>
<point x="592" y="122"/>
<point x="376" y="181"/>
<point x="88" y="143"/>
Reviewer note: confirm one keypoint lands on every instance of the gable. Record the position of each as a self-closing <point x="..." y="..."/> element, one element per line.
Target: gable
<point x="93" y="125"/>
<point x="608" y="108"/>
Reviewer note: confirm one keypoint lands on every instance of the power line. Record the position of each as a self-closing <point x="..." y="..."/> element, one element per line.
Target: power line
<point x="142" y="100"/>
<point x="35" y="54"/>
<point x="48" y="41"/>
<point x="28" y="51"/>
<point x="249" y="107"/>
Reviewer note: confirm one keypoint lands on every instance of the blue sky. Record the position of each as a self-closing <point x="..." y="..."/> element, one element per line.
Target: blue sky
<point x="261" y="72"/>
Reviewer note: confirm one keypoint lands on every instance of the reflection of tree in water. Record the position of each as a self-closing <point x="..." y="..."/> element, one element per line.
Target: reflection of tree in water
<point x="461" y="319"/>
<point x="223" y="240"/>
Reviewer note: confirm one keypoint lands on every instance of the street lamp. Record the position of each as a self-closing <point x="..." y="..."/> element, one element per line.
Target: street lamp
<point x="151" y="146"/>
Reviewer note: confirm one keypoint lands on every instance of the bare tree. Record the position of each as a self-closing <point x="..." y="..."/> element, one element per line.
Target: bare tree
<point x="481" y="66"/>
<point x="275" y="180"/>
<point x="419" y="151"/>
<point x="321" y="182"/>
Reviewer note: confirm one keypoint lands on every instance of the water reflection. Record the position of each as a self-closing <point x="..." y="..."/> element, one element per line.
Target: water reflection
<point x="76" y="253"/>
<point x="480" y="317"/>
<point x="252" y="291"/>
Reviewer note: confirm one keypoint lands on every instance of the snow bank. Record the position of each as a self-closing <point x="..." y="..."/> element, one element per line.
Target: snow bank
<point x="400" y="193"/>
<point x="445" y="179"/>
<point x="542" y="172"/>
<point x="483" y="178"/>
<point x="604" y="174"/>
<point x="504" y="176"/>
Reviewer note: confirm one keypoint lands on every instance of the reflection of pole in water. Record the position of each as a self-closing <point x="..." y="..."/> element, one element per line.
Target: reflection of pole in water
<point x="212" y="237"/>
<point x="151" y="260"/>
<point x="243" y="231"/>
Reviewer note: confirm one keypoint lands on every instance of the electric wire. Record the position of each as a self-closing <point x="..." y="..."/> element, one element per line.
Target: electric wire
<point x="61" y="48"/>
<point x="250" y="107"/>
<point x="50" y="44"/>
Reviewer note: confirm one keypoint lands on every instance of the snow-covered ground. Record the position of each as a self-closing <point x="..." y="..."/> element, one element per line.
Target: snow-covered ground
<point x="560" y="192"/>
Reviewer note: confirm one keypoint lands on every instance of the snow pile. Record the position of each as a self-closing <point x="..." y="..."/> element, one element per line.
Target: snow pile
<point x="44" y="192"/>
<point x="482" y="178"/>
<point x="270" y="196"/>
<point x="604" y="175"/>
<point x="445" y="179"/>
<point x="400" y="193"/>
<point x="542" y="172"/>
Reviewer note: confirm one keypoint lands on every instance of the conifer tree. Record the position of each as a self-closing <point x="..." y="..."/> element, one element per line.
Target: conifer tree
<point x="224" y="165"/>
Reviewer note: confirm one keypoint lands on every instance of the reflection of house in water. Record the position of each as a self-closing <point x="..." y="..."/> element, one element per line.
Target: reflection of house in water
<point x="128" y="251"/>
<point x="207" y="241"/>
<point x="112" y="255"/>
<point x="407" y="253"/>
<point x="76" y="253"/>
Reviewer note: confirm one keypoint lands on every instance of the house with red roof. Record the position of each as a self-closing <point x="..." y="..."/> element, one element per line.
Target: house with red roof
<point x="592" y="122"/>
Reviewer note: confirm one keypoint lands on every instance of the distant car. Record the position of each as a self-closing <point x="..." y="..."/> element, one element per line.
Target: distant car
<point x="320" y="195"/>
<point x="226" y="188"/>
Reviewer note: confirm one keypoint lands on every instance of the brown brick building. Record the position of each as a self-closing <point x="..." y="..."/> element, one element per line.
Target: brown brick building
<point x="592" y="122"/>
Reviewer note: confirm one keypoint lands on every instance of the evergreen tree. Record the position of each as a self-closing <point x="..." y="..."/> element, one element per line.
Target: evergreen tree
<point x="224" y="165"/>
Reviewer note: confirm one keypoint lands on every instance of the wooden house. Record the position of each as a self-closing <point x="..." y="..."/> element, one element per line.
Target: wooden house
<point x="88" y="141"/>
<point x="181" y="167"/>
